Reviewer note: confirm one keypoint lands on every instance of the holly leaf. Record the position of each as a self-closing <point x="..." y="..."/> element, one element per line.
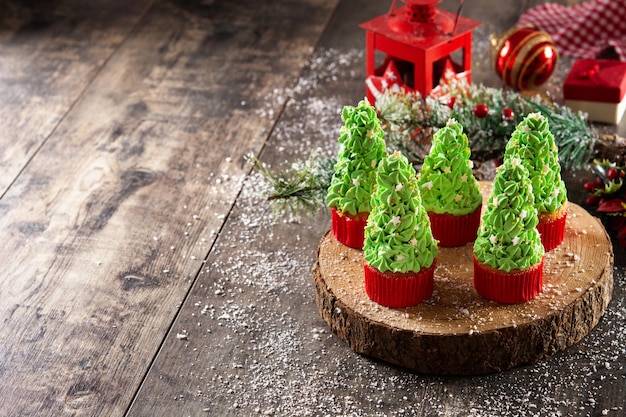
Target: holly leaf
<point x="612" y="187"/>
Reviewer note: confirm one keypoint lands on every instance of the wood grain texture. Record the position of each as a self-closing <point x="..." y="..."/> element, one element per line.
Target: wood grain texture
<point x="458" y="332"/>
<point x="107" y="227"/>
<point x="49" y="53"/>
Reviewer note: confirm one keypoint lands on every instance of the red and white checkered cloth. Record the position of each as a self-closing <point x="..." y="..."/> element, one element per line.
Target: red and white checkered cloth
<point x="582" y="31"/>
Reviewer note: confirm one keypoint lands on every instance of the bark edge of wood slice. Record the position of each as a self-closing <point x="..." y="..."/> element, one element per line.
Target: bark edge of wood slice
<point x="457" y="332"/>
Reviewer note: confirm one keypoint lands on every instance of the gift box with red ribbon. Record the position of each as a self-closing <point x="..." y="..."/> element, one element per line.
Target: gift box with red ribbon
<point x="597" y="87"/>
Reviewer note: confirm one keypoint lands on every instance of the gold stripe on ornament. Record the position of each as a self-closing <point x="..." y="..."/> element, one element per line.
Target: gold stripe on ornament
<point x="524" y="52"/>
<point x="511" y="69"/>
<point x="524" y="69"/>
<point x="497" y="42"/>
<point x="529" y="60"/>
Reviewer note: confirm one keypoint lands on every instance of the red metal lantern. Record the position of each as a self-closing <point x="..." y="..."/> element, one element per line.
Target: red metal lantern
<point x="420" y="39"/>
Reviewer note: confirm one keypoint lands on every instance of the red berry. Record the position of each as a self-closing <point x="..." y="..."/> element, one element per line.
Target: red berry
<point x="612" y="174"/>
<point x="480" y="110"/>
<point x="508" y="114"/>
<point x="592" y="200"/>
<point x="590" y="186"/>
<point x="599" y="182"/>
<point x="451" y="102"/>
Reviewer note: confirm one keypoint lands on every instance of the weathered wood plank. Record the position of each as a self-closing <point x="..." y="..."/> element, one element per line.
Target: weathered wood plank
<point x="255" y="343"/>
<point x="49" y="53"/>
<point x="250" y="319"/>
<point x="104" y="231"/>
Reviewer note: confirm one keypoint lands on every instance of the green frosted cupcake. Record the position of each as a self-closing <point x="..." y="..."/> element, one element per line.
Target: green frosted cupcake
<point x="450" y="192"/>
<point x="508" y="254"/>
<point x="361" y="148"/>
<point x="399" y="250"/>
<point x="534" y="144"/>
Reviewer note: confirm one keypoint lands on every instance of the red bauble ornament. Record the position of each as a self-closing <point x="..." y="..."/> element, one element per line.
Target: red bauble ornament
<point x="480" y="110"/>
<point x="451" y="102"/>
<point x="508" y="114"/>
<point x="524" y="57"/>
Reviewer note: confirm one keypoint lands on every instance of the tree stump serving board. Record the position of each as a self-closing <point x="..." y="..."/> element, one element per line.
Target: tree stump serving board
<point x="457" y="332"/>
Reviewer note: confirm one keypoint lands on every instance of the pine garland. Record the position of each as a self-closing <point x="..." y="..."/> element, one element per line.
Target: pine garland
<point x="409" y="122"/>
<point x="298" y="190"/>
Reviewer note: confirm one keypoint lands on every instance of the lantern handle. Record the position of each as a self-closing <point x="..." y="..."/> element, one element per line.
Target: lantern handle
<point x="456" y="19"/>
<point x="393" y="7"/>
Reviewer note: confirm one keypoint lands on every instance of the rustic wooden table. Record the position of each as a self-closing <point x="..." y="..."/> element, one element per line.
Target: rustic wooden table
<point x="140" y="273"/>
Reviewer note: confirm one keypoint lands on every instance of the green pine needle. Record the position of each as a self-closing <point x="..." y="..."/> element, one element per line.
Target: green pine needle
<point x="409" y="121"/>
<point x="299" y="190"/>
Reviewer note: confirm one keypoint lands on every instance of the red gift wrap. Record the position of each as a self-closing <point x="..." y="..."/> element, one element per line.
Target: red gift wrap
<point x="452" y="230"/>
<point x="597" y="87"/>
<point x="398" y="290"/>
<point x="552" y="231"/>
<point x="348" y="229"/>
<point x="508" y="287"/>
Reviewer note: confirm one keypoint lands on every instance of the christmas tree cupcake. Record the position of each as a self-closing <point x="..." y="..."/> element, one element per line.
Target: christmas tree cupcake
<point x="449" y="190"/>
<point x="361" y="148"/>
<point x="534" y="144"/>
<point x="399" y="250"/>
<point x="508" y="254"/>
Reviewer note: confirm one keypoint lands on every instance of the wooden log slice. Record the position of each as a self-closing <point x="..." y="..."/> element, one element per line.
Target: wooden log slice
<point x="457" y="332"/>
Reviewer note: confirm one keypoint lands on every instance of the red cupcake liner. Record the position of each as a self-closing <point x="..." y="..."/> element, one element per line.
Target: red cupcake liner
<point x="452" y="230"/>
<point x="349" y="230"/>
<point x="552" y="232"/>
<point x="398" y="290"/>
<point x="508" y="287"/>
